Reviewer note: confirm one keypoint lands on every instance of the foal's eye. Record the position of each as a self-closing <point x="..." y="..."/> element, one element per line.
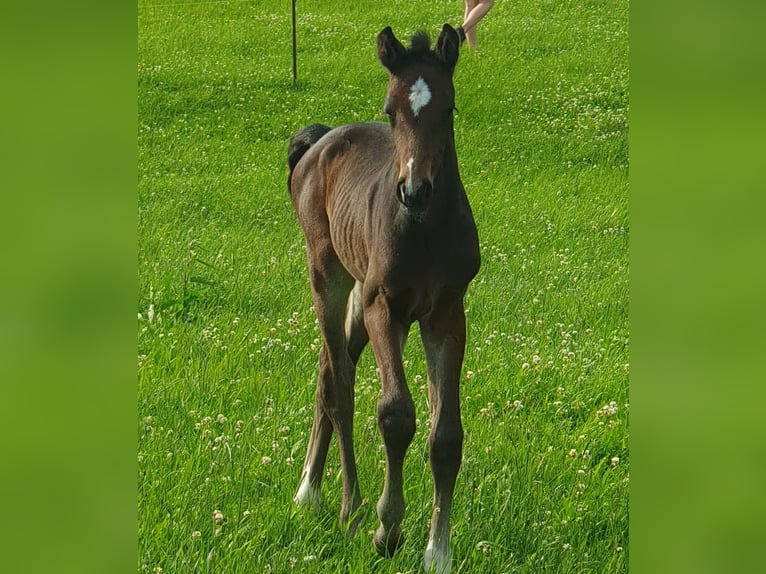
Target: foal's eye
<point x="389" y="114"/>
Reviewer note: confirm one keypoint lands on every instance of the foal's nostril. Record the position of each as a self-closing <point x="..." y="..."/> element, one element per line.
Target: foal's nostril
<point x="424" y="191"/>
<point x="402" y="191"/>
<point x="414" y="199"/>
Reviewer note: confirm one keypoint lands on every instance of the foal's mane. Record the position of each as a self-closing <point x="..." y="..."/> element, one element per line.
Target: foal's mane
<point x="420" y="47"/>
<point x="420" y="43"/>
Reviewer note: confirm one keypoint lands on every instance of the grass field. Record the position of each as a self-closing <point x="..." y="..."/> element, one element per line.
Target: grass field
<point x="227" y="343"/>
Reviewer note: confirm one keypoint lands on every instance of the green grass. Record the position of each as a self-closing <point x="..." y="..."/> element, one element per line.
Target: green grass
<point x="227" y="341"/>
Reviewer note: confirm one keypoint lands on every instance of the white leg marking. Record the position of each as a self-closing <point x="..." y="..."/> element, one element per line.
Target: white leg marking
<point x="307" y="494"/>
<point x="354" y="307"/>
<point x="438" y="557"/>
<point x="436" y="560"/>
<point x="420" y="95"/>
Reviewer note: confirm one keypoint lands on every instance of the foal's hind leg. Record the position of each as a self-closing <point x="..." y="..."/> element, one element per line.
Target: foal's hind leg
<point x="321" y="432"/>
<point x="309" y="491"/>
<point x="356" y="332"/>
<point x="443" y="334"/>
<point x="331" y="285"/>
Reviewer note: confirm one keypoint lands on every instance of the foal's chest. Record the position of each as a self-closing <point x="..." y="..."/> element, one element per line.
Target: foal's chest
<point x="433" y="259"/>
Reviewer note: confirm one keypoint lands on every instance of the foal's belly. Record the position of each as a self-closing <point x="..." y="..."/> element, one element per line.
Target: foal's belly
<point x="347" y="235"/>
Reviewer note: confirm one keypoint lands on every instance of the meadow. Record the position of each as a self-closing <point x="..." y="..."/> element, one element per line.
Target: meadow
<point x="227" y="339"/>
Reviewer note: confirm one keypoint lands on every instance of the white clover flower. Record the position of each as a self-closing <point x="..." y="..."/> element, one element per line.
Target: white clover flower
<point x="607" y="410"/>
<point x="217" y="516"/>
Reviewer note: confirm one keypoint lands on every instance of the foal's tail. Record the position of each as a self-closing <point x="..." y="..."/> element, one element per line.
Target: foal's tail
<point x="300" y="144"/>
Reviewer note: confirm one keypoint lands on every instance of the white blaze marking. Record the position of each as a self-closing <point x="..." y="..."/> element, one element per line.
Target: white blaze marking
<point x="408" y="183"/>
<point x="420" y="95"/>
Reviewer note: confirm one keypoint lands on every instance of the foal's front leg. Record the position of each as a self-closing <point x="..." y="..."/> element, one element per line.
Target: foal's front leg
<point x="443" y="334"/>
<point x="396" y="415"/>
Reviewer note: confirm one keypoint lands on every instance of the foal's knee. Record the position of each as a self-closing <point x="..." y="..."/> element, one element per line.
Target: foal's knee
<point x="396" y="420"/>
<point x="446" y="446"/>
<point x="335" y="392"/>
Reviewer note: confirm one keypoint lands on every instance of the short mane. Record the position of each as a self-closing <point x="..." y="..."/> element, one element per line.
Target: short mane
<point x="421" y="43"/>
<point x="420" y="48"/>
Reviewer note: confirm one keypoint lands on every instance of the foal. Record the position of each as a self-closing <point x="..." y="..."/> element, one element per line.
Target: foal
<point x="390" y="240"/>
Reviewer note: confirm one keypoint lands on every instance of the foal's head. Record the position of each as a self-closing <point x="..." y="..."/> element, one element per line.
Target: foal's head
<point x="419" y="105"/>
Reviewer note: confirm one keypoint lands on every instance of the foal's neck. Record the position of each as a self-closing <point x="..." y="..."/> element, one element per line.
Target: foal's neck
<point x="448" y="176"/>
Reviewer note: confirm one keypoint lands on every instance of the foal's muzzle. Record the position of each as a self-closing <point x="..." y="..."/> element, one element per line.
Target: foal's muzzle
<point x="415" y="199"/>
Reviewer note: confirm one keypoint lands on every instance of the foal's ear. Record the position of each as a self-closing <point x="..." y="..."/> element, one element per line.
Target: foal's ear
<point x="448" y="46"/>
<point x="389" y="48"/>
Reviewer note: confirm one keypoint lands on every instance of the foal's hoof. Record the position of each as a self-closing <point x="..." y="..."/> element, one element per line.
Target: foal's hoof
<point x="352" y="516"/>
<point x="386" y="543"/>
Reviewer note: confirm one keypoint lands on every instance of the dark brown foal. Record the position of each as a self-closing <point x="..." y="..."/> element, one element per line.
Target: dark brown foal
<point x="390" y="240"/>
